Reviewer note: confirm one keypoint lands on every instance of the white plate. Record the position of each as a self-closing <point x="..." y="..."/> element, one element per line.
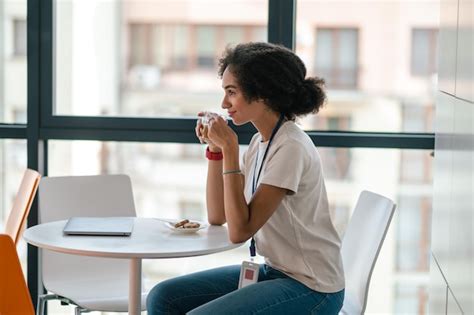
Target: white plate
<point x="202" y="225"/>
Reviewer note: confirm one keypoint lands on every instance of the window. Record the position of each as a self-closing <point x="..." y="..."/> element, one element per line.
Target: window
<point x="19" y="37"/>
<point x="416" y="167"/>
<point x="336" y="57"/>
<point x="179" y="55"/>
<point x="155" y="62"/>
<point x="413" y="233"/>
<point x="206" y="46"/>
<point x="363" y="51"/>
<point x="141" y="44"/>
<point x="337" y="163"/>
<point x="417" y="117"/>
<point x="170" y="46"/>
<point x="424" y="52"/>
<point x="13" y="67"/>
<point x="336" y="160"/>
<point x="411" y="299"/>
<point x="233" y="35"/>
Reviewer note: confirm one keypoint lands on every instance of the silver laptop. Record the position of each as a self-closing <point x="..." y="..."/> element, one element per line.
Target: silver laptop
<point x="107" y="226"/>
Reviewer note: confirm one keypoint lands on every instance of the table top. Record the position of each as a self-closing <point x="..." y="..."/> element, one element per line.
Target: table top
<point x="150" y="238"/>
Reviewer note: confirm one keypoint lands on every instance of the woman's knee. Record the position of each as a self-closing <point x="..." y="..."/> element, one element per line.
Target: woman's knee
<point x="160" y="298"/>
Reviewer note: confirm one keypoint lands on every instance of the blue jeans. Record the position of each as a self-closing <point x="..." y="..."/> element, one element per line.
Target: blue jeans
<point x="215" y="292"/>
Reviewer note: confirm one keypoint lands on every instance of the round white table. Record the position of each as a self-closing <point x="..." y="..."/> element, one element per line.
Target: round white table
<point x="150" y="238"/>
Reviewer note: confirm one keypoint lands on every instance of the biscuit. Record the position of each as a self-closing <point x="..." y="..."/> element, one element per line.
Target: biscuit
<point x="181" y="223"/>
<point x="191" y="225"/>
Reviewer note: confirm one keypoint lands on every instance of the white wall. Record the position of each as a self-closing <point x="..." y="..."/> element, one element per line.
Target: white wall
<point x="452" y="267"/>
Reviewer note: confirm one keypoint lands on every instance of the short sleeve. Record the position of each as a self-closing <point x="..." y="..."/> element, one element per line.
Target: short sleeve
<point x="285" y="167"/>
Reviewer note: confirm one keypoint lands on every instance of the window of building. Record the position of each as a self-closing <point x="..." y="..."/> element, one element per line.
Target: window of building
<point x="417" y="117"/>
<point x="164" y="56"/>
<point x="206" y="46"/>
<point x="179" y="46"/>
<point x="19" y="37"/>
<point x="413" y="233"/>
<point x="180" y="53"/>
<point x="336" y="57"/>
<point x="424" y="52"/>
<point x="416" y="167"/>
<point x="140" y="48"/>
<point x="233" y="35"/>
<point x="411" y="299"/>
<point x="337" y="161"/>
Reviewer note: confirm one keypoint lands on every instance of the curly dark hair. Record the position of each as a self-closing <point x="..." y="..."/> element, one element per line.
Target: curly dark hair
<point x="276" y="75"/>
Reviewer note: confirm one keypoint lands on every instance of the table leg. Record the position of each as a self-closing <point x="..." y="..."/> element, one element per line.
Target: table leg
<point x="135" y="287"/>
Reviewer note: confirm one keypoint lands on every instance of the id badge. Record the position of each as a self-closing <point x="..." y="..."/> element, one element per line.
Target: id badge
<point x="248" y="274"/>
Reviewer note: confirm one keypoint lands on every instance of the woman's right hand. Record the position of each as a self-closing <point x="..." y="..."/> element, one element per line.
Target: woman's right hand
<point x="201" y="132"/>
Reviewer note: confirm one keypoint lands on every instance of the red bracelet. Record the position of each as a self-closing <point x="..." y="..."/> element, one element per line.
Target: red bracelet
<point x="214" y="156"/>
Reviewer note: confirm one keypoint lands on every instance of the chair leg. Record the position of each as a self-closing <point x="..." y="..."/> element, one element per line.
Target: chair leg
<point x="42" y="299"/>
<point x="40" y="305"/>
<point x="79" y="310"/>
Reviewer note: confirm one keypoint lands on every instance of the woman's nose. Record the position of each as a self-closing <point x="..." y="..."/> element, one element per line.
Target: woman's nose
<point x="225" y="103"/>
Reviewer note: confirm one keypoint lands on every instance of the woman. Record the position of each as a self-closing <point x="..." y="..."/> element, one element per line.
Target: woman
<point x="275" y="195"/>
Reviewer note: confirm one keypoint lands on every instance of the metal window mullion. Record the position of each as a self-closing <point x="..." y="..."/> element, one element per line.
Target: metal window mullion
<point x="32" y="130"/>
<point x="282" y="22"/>
<point x="319" y="138"/>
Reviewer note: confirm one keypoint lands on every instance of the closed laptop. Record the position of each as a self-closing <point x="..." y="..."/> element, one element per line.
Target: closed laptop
<point x="107" y="226"/>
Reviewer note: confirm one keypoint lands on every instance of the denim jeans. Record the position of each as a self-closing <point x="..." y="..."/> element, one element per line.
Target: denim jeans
<point x="215" y="292"/>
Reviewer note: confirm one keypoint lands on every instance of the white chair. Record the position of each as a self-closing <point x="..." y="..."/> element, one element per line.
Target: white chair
<point x="90" y="283"/>
<point x="361" y="246"/>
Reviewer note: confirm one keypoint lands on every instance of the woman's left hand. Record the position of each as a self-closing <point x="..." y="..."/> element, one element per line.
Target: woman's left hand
<point x="221" y="134"/>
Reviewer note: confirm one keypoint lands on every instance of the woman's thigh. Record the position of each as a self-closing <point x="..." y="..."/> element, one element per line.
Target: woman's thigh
<point x="182" y="294"/>
<point x="277" y="296"/>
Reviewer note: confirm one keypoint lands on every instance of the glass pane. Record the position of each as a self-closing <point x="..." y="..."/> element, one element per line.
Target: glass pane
<point x="371" y="55"/>
<point x="336" y="56"/>
<point x="155" y="62"/>
<point x="206" y="46"/>
<point x="348" y="49"/>
<point x="411" y="297"/>
<point x="413" y="246"/>
<point x="424" y="58"/>
<point x="233" y="35"/>
<point x="324" y="49"/>
<point x="421" y="51"/>
<point x="13" y="79"/>
<point x="169" y="181"/>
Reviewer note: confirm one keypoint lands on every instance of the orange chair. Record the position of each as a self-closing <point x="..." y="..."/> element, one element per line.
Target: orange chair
<point x="22" y="204"/>
<point x="14" y="295"/>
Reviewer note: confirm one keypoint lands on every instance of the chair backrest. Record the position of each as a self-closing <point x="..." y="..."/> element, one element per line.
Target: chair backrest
<point x="90" y="196"/>
<point x="22" y="204"/>
<point x="361" y="246"/>
<point x="14" y="295"/>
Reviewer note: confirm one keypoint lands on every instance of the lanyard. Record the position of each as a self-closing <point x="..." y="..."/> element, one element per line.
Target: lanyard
<point x="255" y="179"/>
